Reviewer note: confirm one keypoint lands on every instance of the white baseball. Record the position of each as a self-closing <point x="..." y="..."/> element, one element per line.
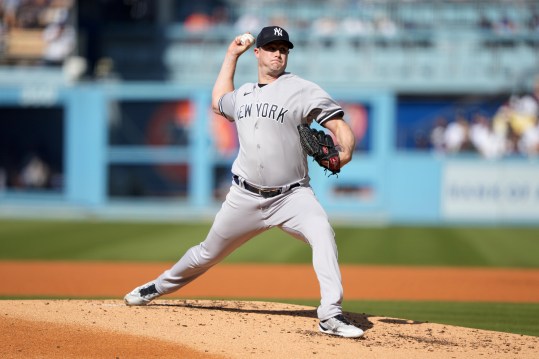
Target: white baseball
<point x="247" y="39"/>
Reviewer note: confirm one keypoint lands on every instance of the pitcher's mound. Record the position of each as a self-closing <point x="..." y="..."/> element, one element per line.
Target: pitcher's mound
<point x="229" y="329"/>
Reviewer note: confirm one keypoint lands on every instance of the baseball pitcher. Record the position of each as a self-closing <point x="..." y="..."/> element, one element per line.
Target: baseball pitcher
<point x="270" y="179"/>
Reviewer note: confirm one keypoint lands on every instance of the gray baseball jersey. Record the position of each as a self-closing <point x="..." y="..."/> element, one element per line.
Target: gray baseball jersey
<point x="270" y="155"/>
<point x="266" y="117"/>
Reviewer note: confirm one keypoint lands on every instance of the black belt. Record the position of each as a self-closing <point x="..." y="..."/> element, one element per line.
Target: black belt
<point x="264" y="192"/>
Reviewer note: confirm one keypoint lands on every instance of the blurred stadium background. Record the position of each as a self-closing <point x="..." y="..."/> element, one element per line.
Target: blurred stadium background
<point x="105" y="106"/>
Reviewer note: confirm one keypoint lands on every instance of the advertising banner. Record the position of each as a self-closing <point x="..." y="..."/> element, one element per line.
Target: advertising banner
<point x="484" y="191"/>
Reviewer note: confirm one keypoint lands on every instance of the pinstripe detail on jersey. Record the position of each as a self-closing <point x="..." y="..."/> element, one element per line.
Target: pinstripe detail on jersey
<point x="337" y="113"/>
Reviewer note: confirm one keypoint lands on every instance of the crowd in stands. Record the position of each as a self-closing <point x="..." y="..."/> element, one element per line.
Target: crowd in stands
<point x="34" y="14"/>
<point x="512" y="130"/>
<point x="36" y="31"/>
<point x="364" y="17"/>
<point x="506" y="25"/>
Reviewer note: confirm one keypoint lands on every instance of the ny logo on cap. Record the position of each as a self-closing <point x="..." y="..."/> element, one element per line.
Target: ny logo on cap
<point x="278" y="31"/>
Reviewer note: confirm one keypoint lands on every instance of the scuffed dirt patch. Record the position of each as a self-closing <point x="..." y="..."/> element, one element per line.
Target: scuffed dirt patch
<point x="232" y="329"/>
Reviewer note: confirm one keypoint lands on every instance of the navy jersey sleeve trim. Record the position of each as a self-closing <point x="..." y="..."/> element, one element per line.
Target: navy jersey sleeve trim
<point x="338" y="113"/>
<point x="221" y="107"/>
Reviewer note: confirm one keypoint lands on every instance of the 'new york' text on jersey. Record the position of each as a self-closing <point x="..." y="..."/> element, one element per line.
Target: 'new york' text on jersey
<point x="266" y="118"/>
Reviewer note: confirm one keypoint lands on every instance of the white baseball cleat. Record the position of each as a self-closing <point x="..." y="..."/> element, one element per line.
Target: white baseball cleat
<point x="338" y="325"/>
<point x="142" y="295"/>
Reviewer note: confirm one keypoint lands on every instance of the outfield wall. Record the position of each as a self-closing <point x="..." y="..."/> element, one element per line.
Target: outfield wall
<point x="154" y="151"/>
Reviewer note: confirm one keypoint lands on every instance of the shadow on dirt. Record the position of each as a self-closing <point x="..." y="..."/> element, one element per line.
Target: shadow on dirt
<point x="399" y="321"/>
<point x="360" y="320"/>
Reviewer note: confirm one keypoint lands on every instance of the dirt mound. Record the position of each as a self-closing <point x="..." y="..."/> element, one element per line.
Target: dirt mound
<point x="231" y="329"/>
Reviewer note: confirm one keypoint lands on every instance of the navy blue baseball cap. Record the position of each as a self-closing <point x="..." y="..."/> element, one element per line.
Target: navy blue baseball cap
<point x="272" y="33"/>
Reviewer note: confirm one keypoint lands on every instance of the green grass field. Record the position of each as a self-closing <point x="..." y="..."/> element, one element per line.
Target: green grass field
<point x="125" y="241"/>
<point x="511" y="247"/>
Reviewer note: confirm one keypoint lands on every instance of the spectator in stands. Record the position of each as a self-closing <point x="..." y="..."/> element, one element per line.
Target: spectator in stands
<point x="10" y="9"/>
<point x="35" y="173"/>
<point x="529" y="140"/>
<point x="456" y="135"/>
<point x="480" y="132"/>
<point x="518" y="116"/>
<point x="532" y="99"/>
<point x="484" y="140"/>
<point x="528" y="143"/>
<point x="60" y="42"/>
<point x="30" y="14"/>
<point x="517" y="121"/>
<point x="437" y="135"/>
